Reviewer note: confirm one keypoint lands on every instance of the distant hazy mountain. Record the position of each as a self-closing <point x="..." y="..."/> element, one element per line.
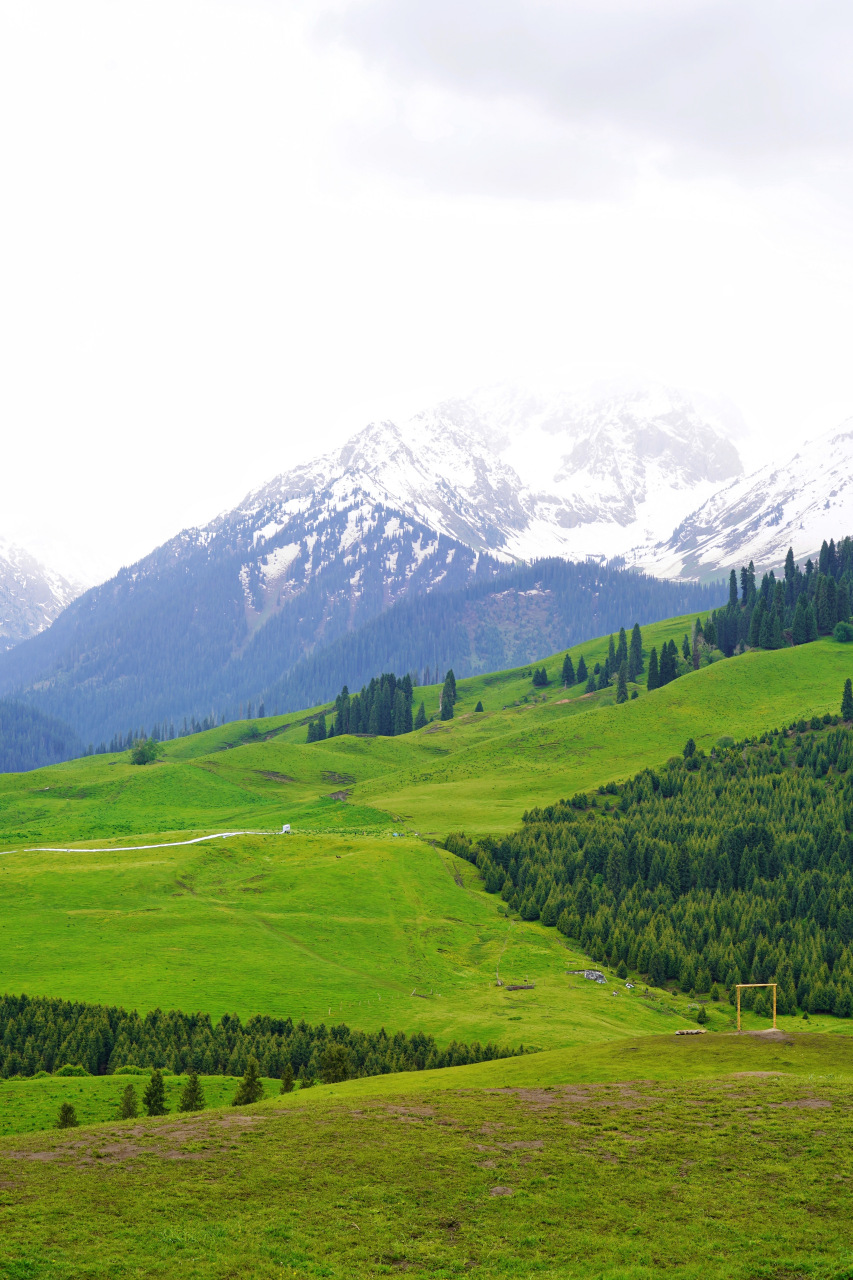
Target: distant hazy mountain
<point x="807" y="499"/>
<point x="220" y="615"/>
<point x="31" y="595"/>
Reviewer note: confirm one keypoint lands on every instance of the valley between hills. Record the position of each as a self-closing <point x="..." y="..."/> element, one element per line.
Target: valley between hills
<point x="582" y="1152"/>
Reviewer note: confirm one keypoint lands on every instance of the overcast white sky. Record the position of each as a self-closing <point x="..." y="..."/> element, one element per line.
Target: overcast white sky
<point x="233" y="231"/>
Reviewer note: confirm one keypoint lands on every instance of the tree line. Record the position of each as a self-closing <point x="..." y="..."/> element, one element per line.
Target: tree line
<point x="42" y="1034"/>
<point x="796" y="608"/>
<point x="736" y="866"/>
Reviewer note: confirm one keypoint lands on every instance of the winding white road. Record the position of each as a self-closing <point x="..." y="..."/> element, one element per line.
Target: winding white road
<point x="133" y="848"/>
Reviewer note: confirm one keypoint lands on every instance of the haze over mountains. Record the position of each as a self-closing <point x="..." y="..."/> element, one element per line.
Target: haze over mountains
<point x="31" y="595"/>
<point x="445" y="540"/>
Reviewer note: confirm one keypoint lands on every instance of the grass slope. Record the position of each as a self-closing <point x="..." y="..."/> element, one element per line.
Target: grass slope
<point x="531" y="1168"/>
<point x="477" y="772"/>
<point x="329" y="929"/>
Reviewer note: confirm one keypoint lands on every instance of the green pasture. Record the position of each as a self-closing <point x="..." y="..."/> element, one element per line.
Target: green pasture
<point x="719" y="1158"/>
<point x="29" y="1105"/>
<point x="477" y="772"/>
<point x="367" y="931"/>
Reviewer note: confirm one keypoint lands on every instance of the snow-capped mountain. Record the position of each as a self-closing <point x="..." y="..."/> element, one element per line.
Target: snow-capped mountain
<point x="31" y="595"/>
<point x="799" y="504"/>
<point x="519" y="475"/>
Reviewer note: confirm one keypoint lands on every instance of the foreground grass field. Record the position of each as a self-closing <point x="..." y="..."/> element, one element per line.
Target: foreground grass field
<point x="477" y="772"/>
<point x="370" y="932"/>
<point x="648" y="1157"/>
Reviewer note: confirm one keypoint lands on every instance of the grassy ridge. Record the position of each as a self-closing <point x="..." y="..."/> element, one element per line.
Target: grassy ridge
<point x="536" y="1173"/>
<point x="477" y="772"/>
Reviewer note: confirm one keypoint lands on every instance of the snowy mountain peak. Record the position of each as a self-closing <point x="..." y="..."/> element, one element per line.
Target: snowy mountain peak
<point x="799" y="504"/>
<point x="31" y="595"/>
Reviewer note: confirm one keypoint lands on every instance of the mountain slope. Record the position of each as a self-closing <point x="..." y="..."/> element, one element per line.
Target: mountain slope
<point x="800" y="504"/>
<point x="219" y="615"/>
<point x="31" y="595"/>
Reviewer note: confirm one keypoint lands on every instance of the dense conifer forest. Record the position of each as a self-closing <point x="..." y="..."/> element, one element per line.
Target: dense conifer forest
<point x="736" y="866"/>
<point x="42" y="1034"/>
<point x="30" y="739"/>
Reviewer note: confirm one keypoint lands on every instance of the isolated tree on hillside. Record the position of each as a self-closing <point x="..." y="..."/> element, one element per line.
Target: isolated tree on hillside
<point x="450" y="684"/>
<point x="67" y="1118"/>
<point x="622" y="683"/>
<point x="582" y="671"/>
<point x="128" y="1108"/>
<point x="420" y="718"/>
<point x="250" y="1088"/>
<point x="479" y="706"/>
<point x="568" y="673"/>
<point x="847" y="701"/>
<point x="192" y="1095"/>
<point x="154" y="1097"/>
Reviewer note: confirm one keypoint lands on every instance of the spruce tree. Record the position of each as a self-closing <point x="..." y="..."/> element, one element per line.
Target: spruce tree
<point x="685" y="647"/>
<point x="733" y="589"/>
<point x="622" y="683"/>
<point x="479" y="707"/>
<point x="621" y="648"/>
<point x="450" y="683"/>
<point x="154" y="1097"/>
<point x="420" y="718"/>
<point x="847" y="701"/>
<point x="653" y="681"/>
<point x="800" y="628"/>
<point x="568" y="673"/>
<point x="250" y="1088"/>
<point x="287" y="1078"/>
<point x="635" y="656"/>
<point x="611" y="654"/>
<point x="591" y="685"/>
<point x="446" y="706"/>
<point x="843" y="601"/>
<point x="777" y="640"/>
<point x="192" y="1095"/>
<point x="128" y="1108"/>
<point x="766" y="634"/>
<point x="811" y="623"/>
<point x="67" y="1118"/>
<point x="582" y="671"/>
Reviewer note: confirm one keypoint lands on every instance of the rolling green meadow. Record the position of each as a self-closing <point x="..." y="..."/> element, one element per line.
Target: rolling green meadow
<point x="610" y="1148"/>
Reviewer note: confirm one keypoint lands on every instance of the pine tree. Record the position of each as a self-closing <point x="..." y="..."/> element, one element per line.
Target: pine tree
<point x="653" y="681"/>
<point x="128" y="1106"/>
<point x="591" y="685"/>
<point x="250" y="1088"/>
<point x="800" y="625"/>
<point x="154" y="1097"/>
<point x="568" y="674"/>
<point x="335" y="1064"/>
<point x="420" y="718"/>
<point x="450" y="683"/>
<point x="847" y="701"/>
<point x="582" y="671"/>
<point x="635" y="656"/>
<point x="67" y="1118"/>
<point x="479" y="707"/>
<point x="622" y="683"/>
<point x="777" y="640"/>
<point x="611" y="653"/>
<point x="621" y="648"/>
<point x="766" y="634"/>
<point x="685" y="647"/>
<point x="192" y="1095"/>
<point x="733" y="589"/>
<point x="446" y="706"/>
<point x="811" y="623"/>
<point x="843" y="601"/>
<point x="287" y="1078"/>
<point x="667" y="671"/>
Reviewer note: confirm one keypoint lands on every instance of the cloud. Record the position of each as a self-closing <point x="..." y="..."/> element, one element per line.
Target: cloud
<point x="574" y="95"/>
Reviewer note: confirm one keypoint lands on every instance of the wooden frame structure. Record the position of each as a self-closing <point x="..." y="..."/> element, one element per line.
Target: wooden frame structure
<point x="739" y="987"/>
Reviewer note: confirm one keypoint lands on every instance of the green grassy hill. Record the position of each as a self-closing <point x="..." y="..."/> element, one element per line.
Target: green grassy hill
<point x="723" y="1158"/>
<point x="477" y="772"/>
